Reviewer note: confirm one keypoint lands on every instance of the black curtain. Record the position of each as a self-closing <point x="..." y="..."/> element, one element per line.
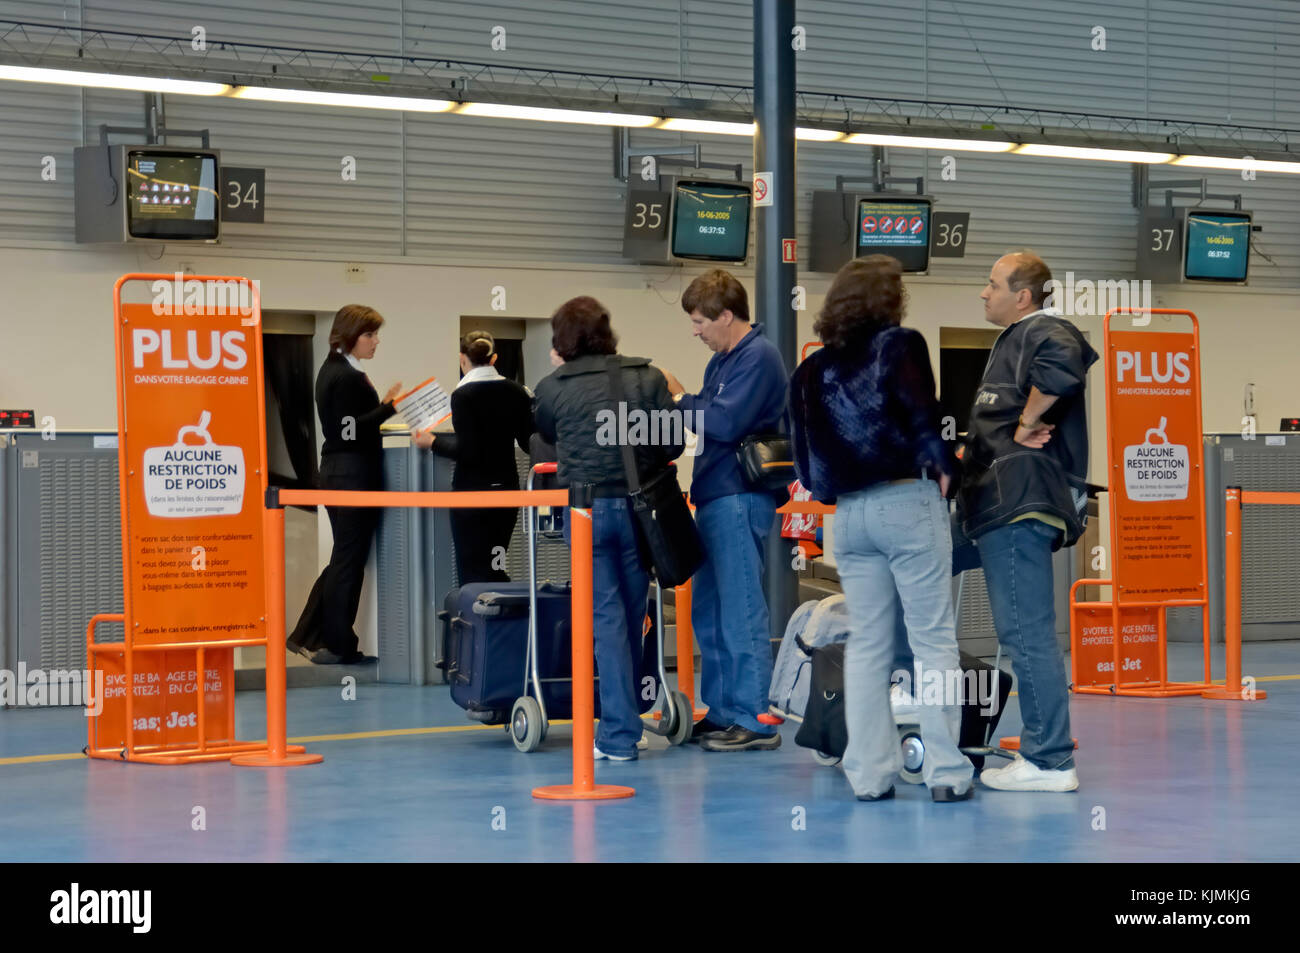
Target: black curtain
<point x="960" y="371"/>
<point x="287" y="361"/>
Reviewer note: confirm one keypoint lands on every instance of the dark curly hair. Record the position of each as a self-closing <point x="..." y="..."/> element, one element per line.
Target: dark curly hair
<point x="866" y="296"/>
<point x="580" y="327"/>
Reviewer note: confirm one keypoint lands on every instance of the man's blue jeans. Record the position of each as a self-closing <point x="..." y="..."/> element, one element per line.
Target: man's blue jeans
<point x="1017" y="563"/>
<point x="621" y="586"/>
<point x="729" y="612"/>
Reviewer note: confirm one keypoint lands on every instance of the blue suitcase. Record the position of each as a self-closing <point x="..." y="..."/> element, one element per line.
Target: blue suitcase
<point x="485" y="647"/>
<point x="485" y="642"/>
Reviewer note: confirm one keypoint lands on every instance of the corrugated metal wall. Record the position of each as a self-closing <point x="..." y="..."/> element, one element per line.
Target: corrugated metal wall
<point x="461" y="188"/>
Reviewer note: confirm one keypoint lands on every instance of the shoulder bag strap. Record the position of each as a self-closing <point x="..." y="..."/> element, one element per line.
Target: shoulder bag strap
<point x="614" y="368"/>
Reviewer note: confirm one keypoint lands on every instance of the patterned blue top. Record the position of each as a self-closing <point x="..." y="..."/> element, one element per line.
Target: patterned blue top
<point x="868" y="414"/>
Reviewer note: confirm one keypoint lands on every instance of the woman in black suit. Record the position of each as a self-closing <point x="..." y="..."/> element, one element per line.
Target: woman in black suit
<point x="489" y="415"/>
<point x="350" y="459"/>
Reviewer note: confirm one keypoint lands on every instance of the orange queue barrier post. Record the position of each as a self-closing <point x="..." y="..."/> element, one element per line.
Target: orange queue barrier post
<point x="1232" y="689"/>
<point x="685" y="646"/>
<point x="584" y="786"/>
<point x="277" y="753"/>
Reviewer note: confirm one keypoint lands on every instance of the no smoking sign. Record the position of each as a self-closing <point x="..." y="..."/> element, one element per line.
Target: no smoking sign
<point x="762" y="188"/>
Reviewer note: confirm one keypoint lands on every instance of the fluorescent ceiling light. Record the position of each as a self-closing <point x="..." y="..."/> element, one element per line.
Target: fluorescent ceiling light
<point x="314" y="97"/>
<point x="708" y="125"/>
<point x="1224" y="162"/>
<point x="507" y="111"/>
<point x="924" y="142"/>
<point x="147" y="84"/>
<point x="818" y="135"/>
<point x="1105" y="155"/>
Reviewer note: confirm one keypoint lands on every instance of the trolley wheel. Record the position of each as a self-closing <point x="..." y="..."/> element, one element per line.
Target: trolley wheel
<point x="526" y="723"/>
<point x="826" y="760"/>
<point x="913" y="750"/>
<point x="683" y="723"/>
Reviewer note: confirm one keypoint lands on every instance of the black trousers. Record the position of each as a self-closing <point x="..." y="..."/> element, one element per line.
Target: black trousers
<point x="477" y="534"/>
<point x="331" y="610"/>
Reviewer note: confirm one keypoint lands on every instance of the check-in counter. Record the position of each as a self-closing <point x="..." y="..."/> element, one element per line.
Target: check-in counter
<point x="60" y="545"/>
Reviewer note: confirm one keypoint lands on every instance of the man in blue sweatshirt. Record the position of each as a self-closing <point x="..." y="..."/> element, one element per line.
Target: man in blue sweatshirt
<point x="745" y="388"/>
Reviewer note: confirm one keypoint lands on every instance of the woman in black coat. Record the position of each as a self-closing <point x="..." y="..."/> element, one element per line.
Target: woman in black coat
<point x="350" y="459"/>
<point x="489" y="415"/>
<point x="576" y="411"/>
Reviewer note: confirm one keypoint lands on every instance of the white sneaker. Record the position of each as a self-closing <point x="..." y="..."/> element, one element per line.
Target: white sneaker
<point x="643" y="743"/>
<point x="1022" y="775"/>
<point x="600" y="755"/>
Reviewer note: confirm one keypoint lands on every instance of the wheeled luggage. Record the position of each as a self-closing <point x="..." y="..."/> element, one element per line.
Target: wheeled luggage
<point x="486" y="642"/>
<point x="816" y="623"/>
<point x="531" y="713"/>
<point x="824" y="729"/>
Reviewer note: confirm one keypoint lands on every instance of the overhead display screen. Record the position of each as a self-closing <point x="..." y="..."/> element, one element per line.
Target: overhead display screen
<point x="711" y="221"/>
<point x="1218" y="246"/>
<point x="171" y="195"/>
<point x="899" y="228"/>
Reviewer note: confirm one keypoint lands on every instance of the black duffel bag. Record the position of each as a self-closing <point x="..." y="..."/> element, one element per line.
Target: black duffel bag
<point x="824" y="728"/>
<point x="666" y="530"/>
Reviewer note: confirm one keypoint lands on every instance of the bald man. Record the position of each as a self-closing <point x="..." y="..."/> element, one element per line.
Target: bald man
<point x="1022" y="497"/>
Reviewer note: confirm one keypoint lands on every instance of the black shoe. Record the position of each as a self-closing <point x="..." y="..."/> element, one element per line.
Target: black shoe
<point x="359" y="658"/>
<point x="944" y="793"/>
<point x="737" y="738"/>
<point x="887" y="796"/>
<point x="325" y="657"/>
<point x="705" y="727"/>
<point x="297" y="649"/>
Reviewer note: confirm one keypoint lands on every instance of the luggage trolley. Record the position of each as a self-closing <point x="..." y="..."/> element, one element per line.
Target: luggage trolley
<point x="909" y="729"/>
<point x="528" y="724"/>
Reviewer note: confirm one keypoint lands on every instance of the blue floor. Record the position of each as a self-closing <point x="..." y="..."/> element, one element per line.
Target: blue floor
<point x="1178" y="780"/>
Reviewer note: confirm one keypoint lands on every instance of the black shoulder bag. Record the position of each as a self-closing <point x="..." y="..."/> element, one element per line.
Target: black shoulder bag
<point x="767" y="462"/>
<point x="671" y="540"/>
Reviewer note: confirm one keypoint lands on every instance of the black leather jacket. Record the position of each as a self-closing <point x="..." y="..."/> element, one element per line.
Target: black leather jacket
<point x="1002" y="479"/>
<point x="574" y="410"/>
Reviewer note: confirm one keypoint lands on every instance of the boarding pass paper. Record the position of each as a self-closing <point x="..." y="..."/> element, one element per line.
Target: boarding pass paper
<point x="425" y="407"/>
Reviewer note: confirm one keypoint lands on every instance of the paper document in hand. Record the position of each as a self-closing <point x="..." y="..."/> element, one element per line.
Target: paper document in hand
<point x="424" y="407"/>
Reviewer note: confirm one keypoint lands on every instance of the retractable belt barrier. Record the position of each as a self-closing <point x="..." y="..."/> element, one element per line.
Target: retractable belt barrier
<point x="583" y="786"/>
<point x="1234" y="497"/>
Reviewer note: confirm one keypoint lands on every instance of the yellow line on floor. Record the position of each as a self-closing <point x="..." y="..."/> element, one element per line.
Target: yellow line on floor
<point x="305" y="739"/>
<point x="39" y="758"/>
<point x="439" y="730"/>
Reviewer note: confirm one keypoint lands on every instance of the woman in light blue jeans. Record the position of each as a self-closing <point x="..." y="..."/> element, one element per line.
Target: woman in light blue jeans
<point x="866" y="436"/>
<point x="891" y="537"/>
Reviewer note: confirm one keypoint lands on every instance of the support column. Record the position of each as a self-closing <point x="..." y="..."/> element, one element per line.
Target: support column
<point x="775" y="279"/>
